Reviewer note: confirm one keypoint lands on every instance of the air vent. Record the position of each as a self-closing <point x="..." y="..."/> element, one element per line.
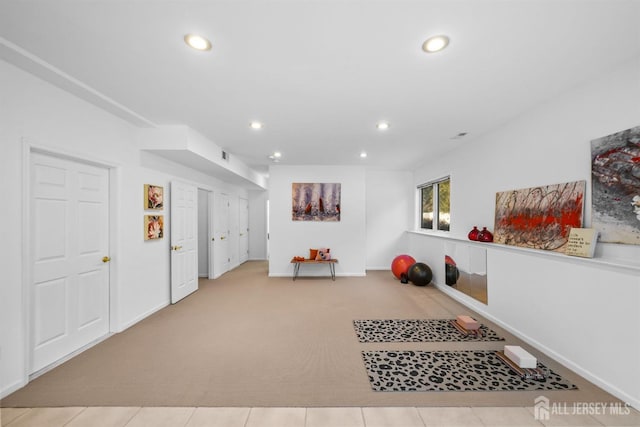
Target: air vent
<point x="460" y="135"/>
<point x="225" y="156"/>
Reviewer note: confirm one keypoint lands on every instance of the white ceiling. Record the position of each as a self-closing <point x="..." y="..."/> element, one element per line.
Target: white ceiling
<point x="321" y="74"/>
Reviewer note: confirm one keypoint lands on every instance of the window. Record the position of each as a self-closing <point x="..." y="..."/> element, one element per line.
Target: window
<point x="435" y="212"/>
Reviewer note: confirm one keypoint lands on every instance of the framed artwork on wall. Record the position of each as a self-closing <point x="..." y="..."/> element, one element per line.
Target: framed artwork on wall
<point x="539" y="217"/>
<point x="153" y="227"/>
<point x="615" y="187"/>
<point x="315" y="201"/>
<point x="153" y="197"/>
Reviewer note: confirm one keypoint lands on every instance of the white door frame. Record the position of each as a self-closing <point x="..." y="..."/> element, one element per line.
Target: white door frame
<point x="28" y="147"/>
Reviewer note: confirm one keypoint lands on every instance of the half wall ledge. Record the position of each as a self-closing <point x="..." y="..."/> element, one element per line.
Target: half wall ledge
<point x="616" y="264"/>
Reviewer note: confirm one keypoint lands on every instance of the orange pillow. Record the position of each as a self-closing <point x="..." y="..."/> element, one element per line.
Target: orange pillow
<point x="313" y="253"/>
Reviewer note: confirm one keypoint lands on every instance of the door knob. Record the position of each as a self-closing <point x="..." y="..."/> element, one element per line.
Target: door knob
<point x="106" y="259"/>
<point x="222" y="238"/>
<point x="176" y="248"/>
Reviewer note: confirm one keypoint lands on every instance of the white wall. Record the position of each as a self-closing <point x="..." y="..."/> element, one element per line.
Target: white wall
<point x="546" y="299"/>
<point x="346" y="238"/>
<point x="44" y="115"/>
<point x="390" y="212"/>
<point x="50" y="118"/>
<point x="258" y="225"/>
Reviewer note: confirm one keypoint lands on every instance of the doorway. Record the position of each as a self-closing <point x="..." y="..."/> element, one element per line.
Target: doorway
<point x="214" y="236"/>
<point x="204" y="241"/>
<point x="69" y="265"/>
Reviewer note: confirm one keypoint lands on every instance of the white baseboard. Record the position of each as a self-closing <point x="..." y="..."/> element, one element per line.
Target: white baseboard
<point x="620" y="394"/>
<point x="11" y="388"/>
<point x="290" y="275"/>
<point x="68" y="357"/>
<point x="144" y="315"/>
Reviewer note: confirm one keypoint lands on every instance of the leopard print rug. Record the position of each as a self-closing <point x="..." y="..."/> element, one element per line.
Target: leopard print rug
<point x="416" y="330"/>
<point x="451" y="371"/>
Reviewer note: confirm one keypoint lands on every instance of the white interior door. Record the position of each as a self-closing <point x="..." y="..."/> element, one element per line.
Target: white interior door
<point x="212" y="236"/>
<point x="243" y="211"/>
<point x="184" y="240"/>
<point x="69" y="305"/>
<point x="221" y="233"/>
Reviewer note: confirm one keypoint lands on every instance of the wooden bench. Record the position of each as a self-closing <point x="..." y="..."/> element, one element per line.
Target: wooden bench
<point x="296" y="266"/>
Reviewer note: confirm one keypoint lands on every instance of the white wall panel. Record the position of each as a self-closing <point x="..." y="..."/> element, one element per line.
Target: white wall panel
<point x="390" y="212"/>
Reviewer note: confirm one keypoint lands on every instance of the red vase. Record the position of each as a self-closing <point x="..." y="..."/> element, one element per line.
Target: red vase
<point x="485" y="235"/>
<point x="473" y="234"/>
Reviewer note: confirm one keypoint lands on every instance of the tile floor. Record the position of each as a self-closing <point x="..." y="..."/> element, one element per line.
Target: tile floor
<point x="306" y="417"/>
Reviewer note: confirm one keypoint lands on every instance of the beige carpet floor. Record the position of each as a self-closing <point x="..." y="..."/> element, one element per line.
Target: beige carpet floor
<point x="249" y="340"/>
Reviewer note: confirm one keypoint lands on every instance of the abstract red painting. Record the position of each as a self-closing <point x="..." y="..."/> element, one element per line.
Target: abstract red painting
<point x="615" y="186"/>
<point x="539" y="217"/>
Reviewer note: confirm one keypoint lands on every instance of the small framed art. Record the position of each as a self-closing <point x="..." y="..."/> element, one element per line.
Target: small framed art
<point x="153" y="227"/>
<point x="153" y="197"/>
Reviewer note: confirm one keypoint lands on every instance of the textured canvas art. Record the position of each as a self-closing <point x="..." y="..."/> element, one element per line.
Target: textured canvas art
<point x="615" y="188"/>
<point x="315" y="202"/>
<point x="539" y="217"/>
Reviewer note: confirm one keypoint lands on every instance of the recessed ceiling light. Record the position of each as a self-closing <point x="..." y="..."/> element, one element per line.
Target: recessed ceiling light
<point x="363" y="155"/>
<point x="382" y="125"/>
<point x="256" y="125"/>
<point x="277" y="154"/>
<point x="435" y="43"/>
<point x="197" y="42"/>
